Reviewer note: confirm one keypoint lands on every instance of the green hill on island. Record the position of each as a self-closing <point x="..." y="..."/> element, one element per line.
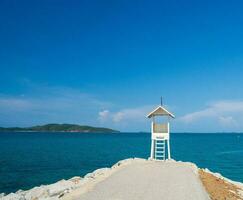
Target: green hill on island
<point x="60" y="128"/>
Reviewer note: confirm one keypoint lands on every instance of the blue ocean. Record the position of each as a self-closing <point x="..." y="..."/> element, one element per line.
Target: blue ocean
<point x="32" y="159"/>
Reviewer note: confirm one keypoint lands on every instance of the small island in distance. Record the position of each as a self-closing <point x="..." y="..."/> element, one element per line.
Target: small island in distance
<point x="59" y="128"/>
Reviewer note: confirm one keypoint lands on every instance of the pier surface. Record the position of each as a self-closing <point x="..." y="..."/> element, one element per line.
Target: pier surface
<point x="150" y="181"/>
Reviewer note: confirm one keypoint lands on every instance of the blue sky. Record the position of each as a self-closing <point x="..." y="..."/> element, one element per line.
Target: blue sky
<point x="106" y="63"/>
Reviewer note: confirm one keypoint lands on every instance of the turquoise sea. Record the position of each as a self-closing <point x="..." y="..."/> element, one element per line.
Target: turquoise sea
<point x="32" y="159"/>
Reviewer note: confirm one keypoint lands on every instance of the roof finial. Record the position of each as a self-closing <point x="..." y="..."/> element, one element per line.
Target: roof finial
<point x="161" y="101"/>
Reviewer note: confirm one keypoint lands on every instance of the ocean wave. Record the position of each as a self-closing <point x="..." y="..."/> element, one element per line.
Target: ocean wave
<point x="230" y="152"/>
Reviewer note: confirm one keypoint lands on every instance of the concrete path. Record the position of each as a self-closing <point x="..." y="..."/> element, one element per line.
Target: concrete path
<point x="149" y="181"/>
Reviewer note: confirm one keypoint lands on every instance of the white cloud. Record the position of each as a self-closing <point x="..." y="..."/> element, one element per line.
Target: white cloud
<point x="131" y="114"/>
<point x="227" y="121"/>
<point x="118" y="117"/>
<point x="16" y="104"/>
<point x="104" y="115"/>
<point x="191" y="117"/>
<point x="126" y="119"/>
<point x="41" y="104"/>
<point x="229" y="106"/>
<point x="49" y="105"/>
<point x="225" y="113"/>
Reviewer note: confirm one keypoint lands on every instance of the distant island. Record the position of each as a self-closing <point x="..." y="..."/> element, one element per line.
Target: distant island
<point x="60" y="128"/>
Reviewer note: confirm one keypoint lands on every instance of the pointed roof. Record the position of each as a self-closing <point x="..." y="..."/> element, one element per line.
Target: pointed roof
<point x="160" y="111"/>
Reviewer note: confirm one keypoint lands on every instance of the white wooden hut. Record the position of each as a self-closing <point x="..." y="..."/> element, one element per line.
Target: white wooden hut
<point x="160" y="133"/>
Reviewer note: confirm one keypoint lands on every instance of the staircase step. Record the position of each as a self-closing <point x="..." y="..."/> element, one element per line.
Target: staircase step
<point x="159" y="151"/>
<point x="160" y="157"/>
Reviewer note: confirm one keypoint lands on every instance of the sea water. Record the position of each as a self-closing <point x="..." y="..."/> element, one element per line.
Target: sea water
<point x="32" y="159"/>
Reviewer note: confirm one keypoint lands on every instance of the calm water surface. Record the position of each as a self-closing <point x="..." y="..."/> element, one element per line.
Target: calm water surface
<point x="31" y="159"/>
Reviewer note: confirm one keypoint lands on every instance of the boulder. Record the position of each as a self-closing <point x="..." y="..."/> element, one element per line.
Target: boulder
<point x="60" y="188"/>
<point x="122" y="162"/>
<point x="49" y="198"/>
<point x="36" y="193"/>
<point x="75" y="179"/>
<point x="20" y="192"/>
<point x="97" y="172"/>
<point x="13" y="196"/>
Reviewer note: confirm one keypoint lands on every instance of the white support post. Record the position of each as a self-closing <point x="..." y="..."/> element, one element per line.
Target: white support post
<point x="168" y="146"/>
<point x="152" y="141"/>
<point x="152" y="149"/>
<point x="168" y="141"/>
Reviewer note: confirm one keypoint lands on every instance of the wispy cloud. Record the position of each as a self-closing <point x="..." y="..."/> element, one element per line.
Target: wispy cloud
<point x="40" y="104"/>
<point x="13" y="103"/>
<point x="127" y="119"/>
<point x="227" y="121"/>
<point x="103" y="115"/>
<point x="49" y="104"/>
<point x="225" y="113"/>
<point x="124" y="115"/>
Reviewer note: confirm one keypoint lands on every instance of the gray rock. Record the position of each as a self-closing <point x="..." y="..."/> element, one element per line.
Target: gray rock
<point x="19" y="192"/>
<point x="75" y="179"/>
<point x="89" y="175"/>
<point x="101" y="171"/>
<point x="49" y="198"/>
<point x="2" y="195"/>
<point x="60" y="187"/>
<point x="13" y="196"/>
<point x="97" y="172"/>
<point x="36" y="193"/>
